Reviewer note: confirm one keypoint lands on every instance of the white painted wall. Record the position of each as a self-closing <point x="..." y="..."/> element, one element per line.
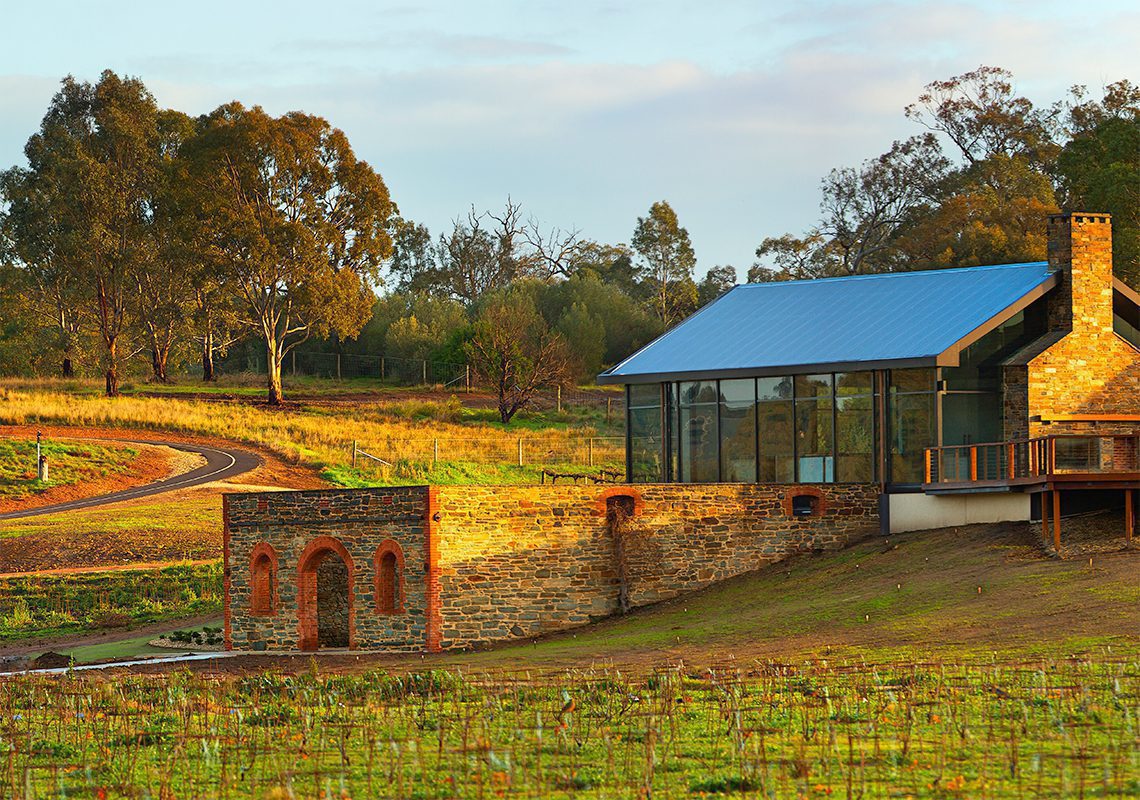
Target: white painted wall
<point x="919" y="512"/>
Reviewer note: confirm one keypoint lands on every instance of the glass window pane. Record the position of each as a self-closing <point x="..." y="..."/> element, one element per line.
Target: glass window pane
<point x="645" y="444"/>
<point x="855" y="439"/>
<point x="849" y="383"/>
<point x="738" y="431"/>
<point x="699" y="440"/>
<point x="813" y="386"/>
<point x="644" y="394"/>
<point x="774" y="388"/>
<point x="698" y="392"/>
<point x="815" y="452"/>
<point x="913" y="380"/>
<point x="913" y="419"/>
<point x="777" y="437"/>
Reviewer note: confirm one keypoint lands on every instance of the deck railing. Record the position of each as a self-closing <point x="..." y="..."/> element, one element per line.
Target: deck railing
<point x="1024" y="460"/>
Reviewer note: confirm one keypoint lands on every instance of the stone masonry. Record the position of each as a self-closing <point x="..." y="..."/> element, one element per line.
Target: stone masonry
<point x="1080" y="377"/>
<point x="1090" y="370"/>
<point x="484" y="564"/>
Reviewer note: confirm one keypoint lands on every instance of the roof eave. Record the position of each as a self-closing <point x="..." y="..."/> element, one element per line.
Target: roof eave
<point x="951" y="356"/>
<point x="766" y="372"/>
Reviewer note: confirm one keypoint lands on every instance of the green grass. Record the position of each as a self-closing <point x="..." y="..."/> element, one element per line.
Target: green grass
<point x="839" y="729"/>
<point x="68" y="463"/>
<point x="55" y="605"/>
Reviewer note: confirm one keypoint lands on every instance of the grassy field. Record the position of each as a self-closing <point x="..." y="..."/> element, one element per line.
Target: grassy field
<point x="54" y="605"/>
<point x="142" y="530"/>
<point x="68" y="462"/>
<point x="417" y="436"/>
<point x="842" y="729"/>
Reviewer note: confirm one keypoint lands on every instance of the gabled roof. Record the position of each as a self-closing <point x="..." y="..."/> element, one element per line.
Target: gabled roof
<point x="894" y="320"/>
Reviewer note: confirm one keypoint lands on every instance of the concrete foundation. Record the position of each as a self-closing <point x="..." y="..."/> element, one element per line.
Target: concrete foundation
<point x="919" y="512"/>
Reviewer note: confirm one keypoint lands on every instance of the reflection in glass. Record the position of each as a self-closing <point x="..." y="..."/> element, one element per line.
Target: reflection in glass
<point x="738" y="431"/>
<point x="645" y="432"/>
<point x="815" y="460"/>
<point x="777" y="430"/>
<point x="699" y="456"/>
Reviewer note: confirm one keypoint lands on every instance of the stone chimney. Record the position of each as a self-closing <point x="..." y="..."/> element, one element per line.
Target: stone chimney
<point x="1080" y="249"/>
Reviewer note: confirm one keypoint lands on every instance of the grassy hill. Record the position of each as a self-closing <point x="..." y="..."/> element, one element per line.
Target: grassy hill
<point x="959" y="593"/>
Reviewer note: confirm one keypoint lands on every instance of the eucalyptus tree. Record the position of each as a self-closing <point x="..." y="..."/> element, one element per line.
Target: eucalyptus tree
<point x="81" y="211"/>
<point x="301" y="224"/>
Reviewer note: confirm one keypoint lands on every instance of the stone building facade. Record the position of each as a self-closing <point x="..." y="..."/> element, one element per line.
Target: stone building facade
<point x="440" y="568"/>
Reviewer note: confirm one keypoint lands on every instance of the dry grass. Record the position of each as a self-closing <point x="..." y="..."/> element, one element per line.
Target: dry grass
<point x="314" y="435"/>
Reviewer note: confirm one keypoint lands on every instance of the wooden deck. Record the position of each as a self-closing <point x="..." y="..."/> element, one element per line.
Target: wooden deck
<point x="1046" y="465"/>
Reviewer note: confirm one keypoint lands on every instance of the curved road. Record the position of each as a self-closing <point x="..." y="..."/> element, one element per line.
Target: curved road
<point x="221" y="463"/>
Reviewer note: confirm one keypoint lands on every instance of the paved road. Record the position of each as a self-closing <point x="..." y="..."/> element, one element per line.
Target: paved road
<point x="221" y="463"/>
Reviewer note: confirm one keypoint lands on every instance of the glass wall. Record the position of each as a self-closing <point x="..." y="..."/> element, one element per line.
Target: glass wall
<point x="645" y="423"/>
<point x="855" y="427"/>
<point x="777" y="430"/>
<point x="913" y="420"/>
<point x="738" y="431"/>
<point x="699" y="459"/>
<point x="815" y="429"/>
<point x="807" y="428"/>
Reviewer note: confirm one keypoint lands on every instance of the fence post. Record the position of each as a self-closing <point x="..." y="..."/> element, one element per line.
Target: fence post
<point x="434" y="452"/>
<point x="558" y="399"/>
<point x="354" y="454"/>
<point x="590" y="451"/>
<point x="520" y="452"/>
<point x="381" y="367"/>
<point x="609" y="400"/>
<point x="467" y="377"/>
<point x="425" y="372"/>
<point x="338" y="366"/>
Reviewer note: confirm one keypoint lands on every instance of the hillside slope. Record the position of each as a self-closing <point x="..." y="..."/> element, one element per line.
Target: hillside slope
<point x="965" y="592"/>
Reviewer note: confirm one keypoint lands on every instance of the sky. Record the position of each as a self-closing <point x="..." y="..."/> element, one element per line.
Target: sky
<point x="585" y="112"/>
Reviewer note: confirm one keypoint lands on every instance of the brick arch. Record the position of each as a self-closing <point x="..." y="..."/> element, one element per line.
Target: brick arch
<point x="620" y="491"/>
<point x="388" y="587"/>
<point x="801" y="491"/>
<point x="316" y="551"/>
<point x="263" y="587"/>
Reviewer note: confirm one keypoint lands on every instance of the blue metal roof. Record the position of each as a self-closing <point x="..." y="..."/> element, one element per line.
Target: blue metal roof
<point x="906" y="318"/>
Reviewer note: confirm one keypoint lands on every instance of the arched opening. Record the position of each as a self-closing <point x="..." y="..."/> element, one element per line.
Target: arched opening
<point x="389" y="565"/>
<point x="324" y="599"/>
<point x="263" y="580"/>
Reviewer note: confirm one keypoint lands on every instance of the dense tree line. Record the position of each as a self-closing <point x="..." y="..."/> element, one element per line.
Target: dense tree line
<point x="140" y="236"/>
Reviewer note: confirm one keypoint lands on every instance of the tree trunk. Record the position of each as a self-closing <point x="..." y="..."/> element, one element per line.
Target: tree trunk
<point x="273" y="372"/>
<point x="158" y="357"/>
<point x="112" y="375"/>
<point x="208" y="374"/>
<point x="67" y="369"/>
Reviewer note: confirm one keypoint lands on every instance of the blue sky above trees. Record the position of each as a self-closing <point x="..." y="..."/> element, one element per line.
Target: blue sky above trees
<point x="585" y="112"/>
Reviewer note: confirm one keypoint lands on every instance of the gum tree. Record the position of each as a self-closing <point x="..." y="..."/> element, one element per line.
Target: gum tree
<point x="300" y="222"/>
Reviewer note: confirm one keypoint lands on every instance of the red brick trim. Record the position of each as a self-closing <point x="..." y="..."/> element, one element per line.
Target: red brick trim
<point x="307" y="565"/>
<point x="620" y="491"/>
<point x="434" y="622"/>
<point x="259" y="550"/>
<point x="800" y="491"/>
<point x="388" y="546"/>
<point x="227" y="613"/>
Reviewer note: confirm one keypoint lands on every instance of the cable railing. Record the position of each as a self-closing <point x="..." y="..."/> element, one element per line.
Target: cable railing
<point x="1028" y="460"/>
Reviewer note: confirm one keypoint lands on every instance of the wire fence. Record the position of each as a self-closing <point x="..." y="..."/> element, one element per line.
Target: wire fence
<point x="425" y="373"/>
<point x="590" y="452"/>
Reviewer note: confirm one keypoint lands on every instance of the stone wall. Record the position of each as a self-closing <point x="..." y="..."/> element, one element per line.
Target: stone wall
<point x="520" y="561"/>
<point x="1091" y="370"/>
<point x="482" y="564"/>
<point x="305" y="530"/>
